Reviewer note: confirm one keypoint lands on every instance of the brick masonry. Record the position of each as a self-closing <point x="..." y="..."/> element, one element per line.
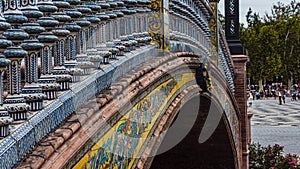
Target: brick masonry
<point x="239" y="62"/>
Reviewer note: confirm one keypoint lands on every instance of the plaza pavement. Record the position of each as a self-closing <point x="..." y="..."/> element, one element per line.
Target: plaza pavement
<point x="276" y="124"/>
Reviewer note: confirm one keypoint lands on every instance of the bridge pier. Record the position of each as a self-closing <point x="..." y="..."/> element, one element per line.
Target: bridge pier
<point x="239" y="62"/>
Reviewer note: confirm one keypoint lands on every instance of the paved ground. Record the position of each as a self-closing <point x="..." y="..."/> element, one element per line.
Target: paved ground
<point x="273" y="123"/>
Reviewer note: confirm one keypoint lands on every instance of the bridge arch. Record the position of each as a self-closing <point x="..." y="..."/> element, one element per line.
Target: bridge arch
<point x="107" y="113"/>
<point x="216" y="152"/>
<point x="221" y="149"/>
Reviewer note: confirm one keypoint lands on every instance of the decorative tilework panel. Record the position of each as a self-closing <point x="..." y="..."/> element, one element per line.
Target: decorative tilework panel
<point x="56" y="115"/>
<point x="24" y="136"/>
<point x="67" y="100"/>
<point x="8" y="153"/>
<point x="41" y="124"/>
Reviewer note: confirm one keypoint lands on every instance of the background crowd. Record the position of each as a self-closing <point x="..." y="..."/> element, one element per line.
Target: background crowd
<point x="274" y="91"/>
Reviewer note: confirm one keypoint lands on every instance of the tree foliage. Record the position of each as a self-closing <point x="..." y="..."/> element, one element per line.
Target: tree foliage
<point x="272" y="42"/>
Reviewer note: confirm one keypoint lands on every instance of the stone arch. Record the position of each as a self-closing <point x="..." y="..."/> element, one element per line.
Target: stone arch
<point x="217" y="152"/>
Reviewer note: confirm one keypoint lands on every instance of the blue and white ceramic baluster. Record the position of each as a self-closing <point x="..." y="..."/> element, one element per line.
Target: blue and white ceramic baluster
<point x="92" y="53"/>
<point x="15" y="102"/>
<point x="111" y="47"/>
<point x="144" y="20"/>
<point x="71" y="63"/>
<point x="83" y="60"/>
<point x="47" y="80"/>
<point x="101" y="46"/>
<point x="32" y="91"/>
<point x="70" y="47"/>
<point x="59" y="71"/>
<point x="118" y="28"/>
<point x="74" y="30"/>
<point x="5" y="119"/>
<point x="60" y="31"/>
<point x="94" y="22"/>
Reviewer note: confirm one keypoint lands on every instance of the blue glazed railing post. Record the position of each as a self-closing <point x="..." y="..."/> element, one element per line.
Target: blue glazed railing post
<point x="32" y="91"/>
<point x="93" y="56"/>
<point x="48" y="38"/>
<point x="4" y="43"/>
<point x="5" y="119"/>
<point x="71" y="48"/>
<point x="74" y="30"/>
<point x="15" y="103"/>
<point x="60" y="31"/>
<point x="85" y="21"/>
<point x="60" y="73"/>
<point x="47" y="81"/>
<point x="101" y="30"/>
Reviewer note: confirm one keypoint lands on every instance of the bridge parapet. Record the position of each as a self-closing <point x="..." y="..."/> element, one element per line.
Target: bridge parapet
<point x="189" y="31"/>
<point x="79" y="38"/>
<point x="189" y="23"/>
<point x="226" y="62"/>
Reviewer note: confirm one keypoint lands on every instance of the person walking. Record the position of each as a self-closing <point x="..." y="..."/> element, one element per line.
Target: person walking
<point x="279" y="96"/>
<point x="283" y="96"/>
<point x="250" y="100"/>
<point x="294" y="96"/>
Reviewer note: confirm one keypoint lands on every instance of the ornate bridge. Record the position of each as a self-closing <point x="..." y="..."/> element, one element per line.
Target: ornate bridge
<point x="121" y="84"/>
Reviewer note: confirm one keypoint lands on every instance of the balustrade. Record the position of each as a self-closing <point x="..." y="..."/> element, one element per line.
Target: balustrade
<point x="58" y="35"/>
<point x="69" y="38"/>
<point x="189" y="22"/>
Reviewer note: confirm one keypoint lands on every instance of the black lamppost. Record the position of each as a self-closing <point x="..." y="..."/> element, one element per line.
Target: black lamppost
<point x="276" y="82"/>
<point x="248" y="78"/>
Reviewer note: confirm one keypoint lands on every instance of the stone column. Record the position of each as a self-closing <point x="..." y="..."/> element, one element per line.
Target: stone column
<point x="239" y="62"/>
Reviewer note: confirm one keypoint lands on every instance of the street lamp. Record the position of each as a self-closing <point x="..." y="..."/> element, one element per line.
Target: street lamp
<point x="276" y="82"/>
<point x="248" y="78"/>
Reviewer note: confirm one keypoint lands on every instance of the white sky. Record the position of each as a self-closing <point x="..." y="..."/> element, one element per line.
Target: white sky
<point x="260" y="6"/>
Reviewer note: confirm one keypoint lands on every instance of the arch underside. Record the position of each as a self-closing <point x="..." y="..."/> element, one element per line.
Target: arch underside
<point x="216" y="152"/>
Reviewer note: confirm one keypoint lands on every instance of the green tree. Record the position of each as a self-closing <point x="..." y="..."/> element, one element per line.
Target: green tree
<point x="273" y="41"/>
